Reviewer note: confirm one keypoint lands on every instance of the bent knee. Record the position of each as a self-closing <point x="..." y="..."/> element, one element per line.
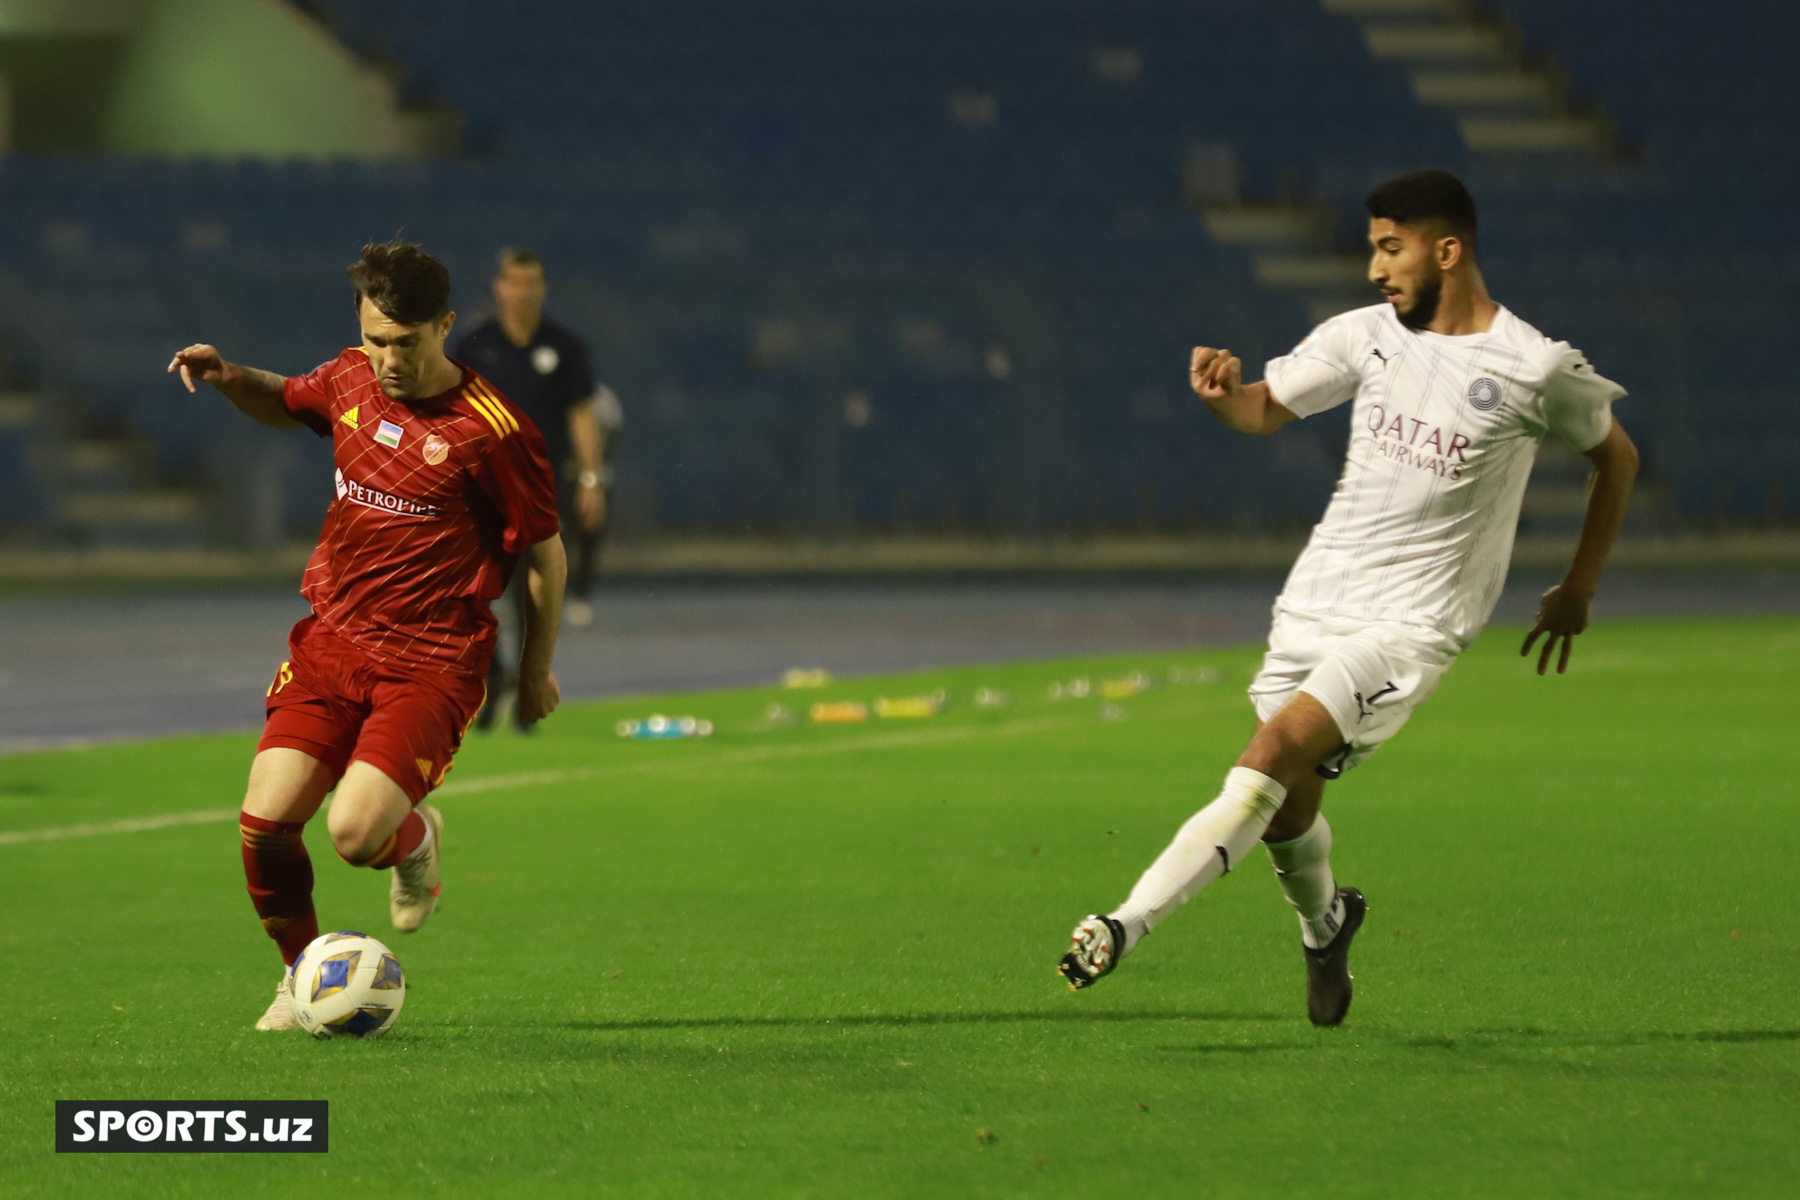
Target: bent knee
<point x="359" y="850"/>
<point x="1280" y="755"/>
<point x="1297" y="739"/>
<point x="286" y="785"/>
<point x="357" y="842"/>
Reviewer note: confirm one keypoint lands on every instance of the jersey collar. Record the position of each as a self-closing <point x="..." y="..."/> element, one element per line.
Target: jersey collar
<point x="1502" y="315"/>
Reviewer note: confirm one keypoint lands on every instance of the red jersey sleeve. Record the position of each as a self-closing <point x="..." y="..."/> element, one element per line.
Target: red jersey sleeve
<point x="308" y="397"/>
<point x="516" y="475"/>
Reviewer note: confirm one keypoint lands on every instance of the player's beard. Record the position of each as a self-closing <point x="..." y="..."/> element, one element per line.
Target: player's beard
<point x="1425" y="304"/>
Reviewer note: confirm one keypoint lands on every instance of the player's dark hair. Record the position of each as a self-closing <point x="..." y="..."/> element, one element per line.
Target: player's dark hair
<point x="519" y="256"/>
<point x="408" y="285"/>
<point x="1428" y="195"/>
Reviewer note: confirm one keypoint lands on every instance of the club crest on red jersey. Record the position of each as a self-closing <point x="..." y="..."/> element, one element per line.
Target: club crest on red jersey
<point x="436" y="449"/>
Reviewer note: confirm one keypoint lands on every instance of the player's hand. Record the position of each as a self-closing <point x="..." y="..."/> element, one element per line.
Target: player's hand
<point x="590" y="507"/>
<point x="539" y="696"/>
<point x="201" y="362"/>
<point x="1561" y="614"/>
<point x="1215" y="374"/>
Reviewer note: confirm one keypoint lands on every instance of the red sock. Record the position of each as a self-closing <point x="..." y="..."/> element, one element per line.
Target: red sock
<point x="406" y="839"/>
<point x="280" y="879"/>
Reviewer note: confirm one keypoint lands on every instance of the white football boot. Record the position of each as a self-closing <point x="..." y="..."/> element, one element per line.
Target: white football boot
<point x="1095" y="949"/>
<point x="281" y="1011"/>
<point x="413" y="894"/>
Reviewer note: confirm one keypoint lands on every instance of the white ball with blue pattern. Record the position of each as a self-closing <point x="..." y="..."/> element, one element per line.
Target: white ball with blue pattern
<point x="347" y="984"/>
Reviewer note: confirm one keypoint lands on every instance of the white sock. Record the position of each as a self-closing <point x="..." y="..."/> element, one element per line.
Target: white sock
<point x="1214" y="840"/>
<point x="1303" y="867"/>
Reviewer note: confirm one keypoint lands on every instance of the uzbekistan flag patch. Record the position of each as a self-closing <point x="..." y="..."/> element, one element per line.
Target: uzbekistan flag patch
<point x="389" y="435"/>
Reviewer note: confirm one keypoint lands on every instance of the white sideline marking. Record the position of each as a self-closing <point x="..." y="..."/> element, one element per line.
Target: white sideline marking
<point x="494" y="783"/>
<point x="204" y="816"/>
<point x="750" y="754"/>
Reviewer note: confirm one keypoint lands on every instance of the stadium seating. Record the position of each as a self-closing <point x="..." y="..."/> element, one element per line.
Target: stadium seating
<point x="967" y="215"/>
<point x="1685" y="263"/>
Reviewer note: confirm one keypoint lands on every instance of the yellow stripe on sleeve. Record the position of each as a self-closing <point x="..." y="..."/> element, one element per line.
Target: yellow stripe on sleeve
<point x="503" y="424"/>
<point x="481" y="406"/>
<point x="499" y="407"/>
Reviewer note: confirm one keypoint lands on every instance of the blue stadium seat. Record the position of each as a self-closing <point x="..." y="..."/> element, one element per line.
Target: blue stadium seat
<point x="694" y="169"/>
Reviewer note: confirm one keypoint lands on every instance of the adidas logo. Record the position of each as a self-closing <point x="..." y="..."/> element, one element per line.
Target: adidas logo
<point x="349" y="417"/>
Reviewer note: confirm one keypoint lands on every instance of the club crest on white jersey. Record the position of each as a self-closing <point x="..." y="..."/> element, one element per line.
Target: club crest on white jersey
<point x="1485" y="394"/>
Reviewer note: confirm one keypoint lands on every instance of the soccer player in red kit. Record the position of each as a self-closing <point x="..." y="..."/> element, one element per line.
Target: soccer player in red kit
<point x="443" y="486"/>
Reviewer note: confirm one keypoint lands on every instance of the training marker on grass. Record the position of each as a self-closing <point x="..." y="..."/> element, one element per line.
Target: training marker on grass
<point x="660" y="728"/>
<point x="909" y="706"/>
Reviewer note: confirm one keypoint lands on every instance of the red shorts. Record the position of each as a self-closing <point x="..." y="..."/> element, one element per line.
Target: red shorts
<point x="334" y="702"/>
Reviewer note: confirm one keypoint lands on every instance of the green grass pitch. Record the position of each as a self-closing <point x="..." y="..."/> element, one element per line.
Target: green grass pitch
<point x="817" y="961"/>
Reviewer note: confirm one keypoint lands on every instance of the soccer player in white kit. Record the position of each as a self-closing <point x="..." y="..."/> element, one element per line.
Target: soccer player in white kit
<point x="1452" y="395"/>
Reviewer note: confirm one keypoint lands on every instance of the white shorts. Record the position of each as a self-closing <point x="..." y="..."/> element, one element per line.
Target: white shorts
<point x="1368" y="675"/>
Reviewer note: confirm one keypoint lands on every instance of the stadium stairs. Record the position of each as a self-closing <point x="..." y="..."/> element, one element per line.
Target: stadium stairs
<point x="1472" y="63"/>
<point x="1468" y="63"/>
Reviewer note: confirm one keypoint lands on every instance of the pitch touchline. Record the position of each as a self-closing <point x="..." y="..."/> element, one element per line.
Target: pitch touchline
<point x="747" y="755"/>
<point x="130" y="825"/>
<point x="520" y="779"/>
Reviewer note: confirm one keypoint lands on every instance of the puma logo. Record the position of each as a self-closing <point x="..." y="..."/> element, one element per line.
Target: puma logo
<point x="1365" y="708"/>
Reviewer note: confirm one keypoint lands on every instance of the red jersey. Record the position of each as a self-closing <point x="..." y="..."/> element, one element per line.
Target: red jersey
<point x="435" y="501"/>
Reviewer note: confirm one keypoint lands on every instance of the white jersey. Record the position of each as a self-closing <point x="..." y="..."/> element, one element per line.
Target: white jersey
<point x="1442" y="438"/>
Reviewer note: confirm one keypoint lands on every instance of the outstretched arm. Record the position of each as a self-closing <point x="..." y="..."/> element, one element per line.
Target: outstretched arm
<point x="1567" y="607"/>
<point x="539" y="693"/>
<point x="1217" y="377"/>
<point x="257" y="394"/>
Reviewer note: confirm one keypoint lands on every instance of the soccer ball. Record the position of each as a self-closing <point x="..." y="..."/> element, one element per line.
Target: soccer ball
<point x="347" y="984"/>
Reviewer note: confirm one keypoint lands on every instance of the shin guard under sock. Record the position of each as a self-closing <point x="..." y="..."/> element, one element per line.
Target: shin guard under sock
<point x="1214" y="840"/>
<point x="279" y="876"/>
